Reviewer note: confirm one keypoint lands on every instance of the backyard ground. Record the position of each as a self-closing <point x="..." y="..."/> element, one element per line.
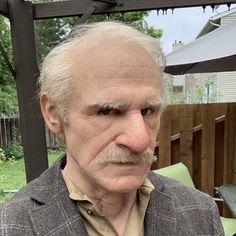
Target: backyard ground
<point x="12" y="174"/>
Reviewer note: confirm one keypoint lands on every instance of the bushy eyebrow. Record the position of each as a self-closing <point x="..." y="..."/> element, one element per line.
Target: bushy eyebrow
<point x="107" y="104"/>
<point x="154" y="102"/>
<point x="122" y="105"/>
<point x="158" y="104"/>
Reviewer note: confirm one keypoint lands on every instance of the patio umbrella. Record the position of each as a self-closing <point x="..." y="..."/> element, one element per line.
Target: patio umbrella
<point x="213" y="52"/>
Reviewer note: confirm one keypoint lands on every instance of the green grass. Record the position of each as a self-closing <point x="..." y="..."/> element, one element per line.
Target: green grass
<point x="12" y="174"/>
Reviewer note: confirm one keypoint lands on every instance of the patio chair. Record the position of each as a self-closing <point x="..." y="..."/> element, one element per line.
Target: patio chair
<point x="180" y="173"/>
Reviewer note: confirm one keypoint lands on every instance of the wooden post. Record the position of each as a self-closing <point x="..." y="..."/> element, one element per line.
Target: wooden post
<point x="25" y="61"/>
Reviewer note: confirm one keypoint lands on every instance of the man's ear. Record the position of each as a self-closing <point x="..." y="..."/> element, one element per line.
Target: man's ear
<point x="49" y="114"/>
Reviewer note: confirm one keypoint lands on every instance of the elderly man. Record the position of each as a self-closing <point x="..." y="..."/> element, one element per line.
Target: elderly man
<point x="102" y="89"/>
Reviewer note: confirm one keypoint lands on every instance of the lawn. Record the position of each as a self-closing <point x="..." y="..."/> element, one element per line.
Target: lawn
<point x="12" y="174"/>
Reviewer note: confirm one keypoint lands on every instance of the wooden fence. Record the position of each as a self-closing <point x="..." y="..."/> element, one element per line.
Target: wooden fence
<point x="9" y="127"/>
<point x="203" y="137"/>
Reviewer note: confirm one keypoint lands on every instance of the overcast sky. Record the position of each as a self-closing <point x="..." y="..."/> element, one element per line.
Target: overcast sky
<point x="183" y="25"/>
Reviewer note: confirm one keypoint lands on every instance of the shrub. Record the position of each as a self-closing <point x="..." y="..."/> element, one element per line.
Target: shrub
<point x="14" y="150"/>
<point x="2" y="155"/>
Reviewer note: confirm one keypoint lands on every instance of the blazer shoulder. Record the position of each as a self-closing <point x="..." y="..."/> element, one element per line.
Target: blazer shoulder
<point x="181" y="194"/>
<point x="16" y="211"/>
<point x="194" y="210"/>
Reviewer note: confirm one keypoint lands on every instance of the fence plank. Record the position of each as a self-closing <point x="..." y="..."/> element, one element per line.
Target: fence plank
<point x="8" y="131"/>
<point x="175" y="111"/>
<point x="175" y="151"/>
<point x="230" y="144"/>
<point x="197" y="154"/>
<point x="186" y="137"/>
<point x="219" y="152"/>
<point x="208" y="149"/>
<point x="165" y="140"/>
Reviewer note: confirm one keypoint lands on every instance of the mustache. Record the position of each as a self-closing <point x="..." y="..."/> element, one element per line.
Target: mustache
<point x="125" y="156"/>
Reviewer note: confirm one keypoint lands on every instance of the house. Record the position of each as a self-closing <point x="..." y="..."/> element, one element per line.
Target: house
<point x="207" y="87"/>
<point x="225" y="81"/>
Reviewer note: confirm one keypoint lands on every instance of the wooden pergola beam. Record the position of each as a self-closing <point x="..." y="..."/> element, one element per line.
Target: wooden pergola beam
<point x="4" y="8"/>
<point x="26" y="68"/>
<point x="78" y="7"/>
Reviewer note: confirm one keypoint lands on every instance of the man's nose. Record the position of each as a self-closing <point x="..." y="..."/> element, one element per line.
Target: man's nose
<point x="134" y="134"/>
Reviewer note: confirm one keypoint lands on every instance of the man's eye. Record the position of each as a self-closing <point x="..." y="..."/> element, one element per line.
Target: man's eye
<point x="105" y="111"/>
<point x="146" y="111"/>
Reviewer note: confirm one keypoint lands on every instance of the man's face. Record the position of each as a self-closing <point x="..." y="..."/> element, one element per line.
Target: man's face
<point x="113" y="117"/>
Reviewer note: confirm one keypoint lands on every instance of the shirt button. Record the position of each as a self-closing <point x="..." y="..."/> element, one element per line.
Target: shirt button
<point x="89" y="212"/>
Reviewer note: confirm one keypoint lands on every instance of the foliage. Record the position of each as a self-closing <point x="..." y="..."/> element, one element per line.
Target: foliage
<point x="206" y="93"/>
<point x="2" y="155"/>
<point x="8" y="100"/>
<point x="57" y="29"/>
<point x="203" y="93"/>
<point x="14" y="150"/>
<point x="5" y="76"/>
<point x="136" y="19"/>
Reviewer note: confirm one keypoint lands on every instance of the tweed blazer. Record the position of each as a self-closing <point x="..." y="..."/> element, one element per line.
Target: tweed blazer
<point x="44" y="208"/>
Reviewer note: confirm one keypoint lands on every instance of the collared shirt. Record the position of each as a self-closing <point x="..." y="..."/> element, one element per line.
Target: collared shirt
<point x="98" y="225"/>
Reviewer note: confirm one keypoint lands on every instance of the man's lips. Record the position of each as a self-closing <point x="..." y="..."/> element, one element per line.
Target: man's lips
<point x="123" y="163"/>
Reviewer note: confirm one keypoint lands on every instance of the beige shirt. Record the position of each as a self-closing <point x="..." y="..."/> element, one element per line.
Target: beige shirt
<point x="98" y="225"/>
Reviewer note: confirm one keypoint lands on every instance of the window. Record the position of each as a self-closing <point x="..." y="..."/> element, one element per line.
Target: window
<point x="178" y="89"/>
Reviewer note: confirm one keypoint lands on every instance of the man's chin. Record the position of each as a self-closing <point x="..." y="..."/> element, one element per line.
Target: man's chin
<point x="126" y="184"/>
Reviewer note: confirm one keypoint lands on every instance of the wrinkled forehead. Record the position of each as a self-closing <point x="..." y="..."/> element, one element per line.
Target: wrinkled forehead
<point x="111" y="57"/>
<point x="114" y="70"/>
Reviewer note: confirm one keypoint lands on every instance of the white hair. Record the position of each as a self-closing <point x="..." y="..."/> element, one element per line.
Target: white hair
<point x="56" y="73"/>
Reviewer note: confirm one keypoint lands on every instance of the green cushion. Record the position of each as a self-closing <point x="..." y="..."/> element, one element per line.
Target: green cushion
<point x="178" y="172"/>
<point x="229" y="226"/>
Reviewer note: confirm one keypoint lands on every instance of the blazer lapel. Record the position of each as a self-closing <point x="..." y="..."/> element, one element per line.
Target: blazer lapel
<point x="55" y="213"/>
<point x="160" y="218"/>
<point x="60" y="216"/>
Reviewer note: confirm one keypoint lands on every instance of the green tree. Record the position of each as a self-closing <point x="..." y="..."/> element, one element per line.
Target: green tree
<point x="51" y="31"/>
<point x="8" y="98"/>
<point x="5" y="75"/>
<point x="206" y="93"/>
<point x="202" y="93"/>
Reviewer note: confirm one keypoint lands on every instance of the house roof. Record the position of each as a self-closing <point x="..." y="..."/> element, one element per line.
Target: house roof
<point x="214" y="22"/>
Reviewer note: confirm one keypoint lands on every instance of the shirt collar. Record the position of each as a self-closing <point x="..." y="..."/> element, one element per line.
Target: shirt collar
<point x="76" y="194"/>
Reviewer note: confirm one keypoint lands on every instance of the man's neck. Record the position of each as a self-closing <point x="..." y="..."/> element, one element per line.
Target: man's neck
<point x="113" y="204"/>
<point x="115" y="207"/>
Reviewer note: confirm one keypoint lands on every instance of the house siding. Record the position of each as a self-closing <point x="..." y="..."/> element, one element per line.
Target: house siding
<point x="226" y="89"/>
<point x="228" y="19"/>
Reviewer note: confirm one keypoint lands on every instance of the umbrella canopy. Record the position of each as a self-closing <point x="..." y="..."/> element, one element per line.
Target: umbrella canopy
<point x="213" y="52"/>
